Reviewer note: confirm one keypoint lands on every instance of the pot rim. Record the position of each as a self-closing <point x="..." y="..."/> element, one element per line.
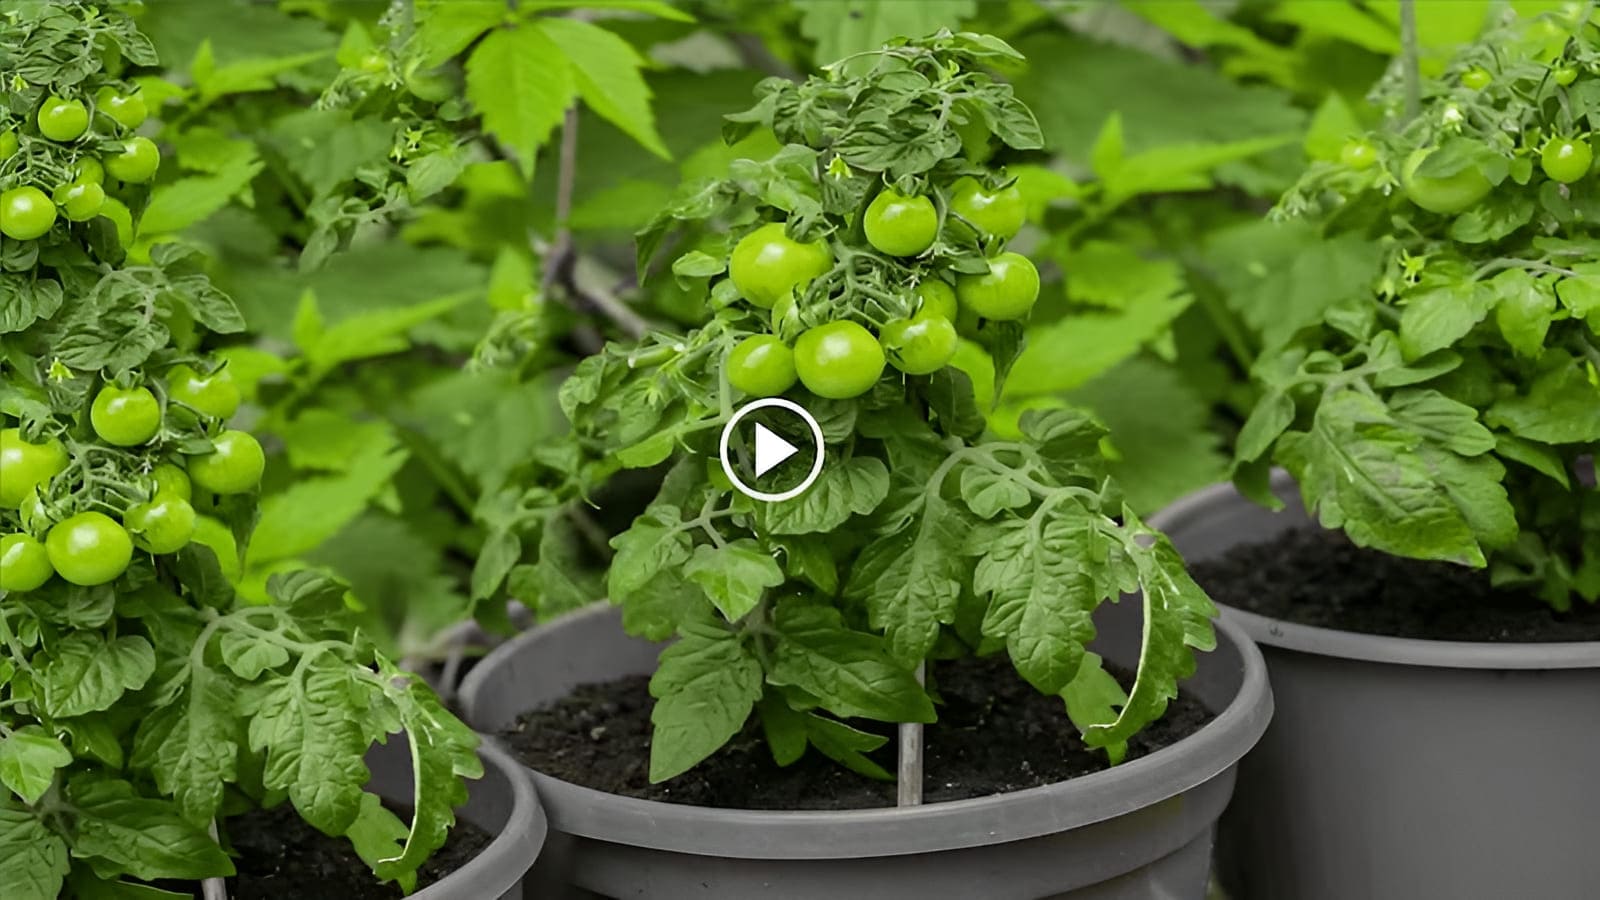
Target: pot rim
<point x="510" y="854"/>
<point x="1193" y="510"/>
<point x="892" y="831"/>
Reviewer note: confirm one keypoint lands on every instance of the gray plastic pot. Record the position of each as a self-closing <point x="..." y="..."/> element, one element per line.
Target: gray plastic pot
<point x="502" y="802"/>
<point x="1141" y="831"/>
<point x="1401" y="769"/>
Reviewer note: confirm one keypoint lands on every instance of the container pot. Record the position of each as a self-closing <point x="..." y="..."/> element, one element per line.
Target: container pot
<point x="1141" y="831"/>
<point x="501" y="803"/>
<point x="1400" y="769"/>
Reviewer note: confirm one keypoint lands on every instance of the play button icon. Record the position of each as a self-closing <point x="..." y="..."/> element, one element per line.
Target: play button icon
<point x="760" y="438"/>
<point x="771" y="450"/>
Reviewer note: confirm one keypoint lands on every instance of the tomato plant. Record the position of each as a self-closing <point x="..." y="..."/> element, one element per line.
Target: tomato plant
<point x="1461" y="381"/>
<point x="913" y="534"/>
<point x="123" y="644"/>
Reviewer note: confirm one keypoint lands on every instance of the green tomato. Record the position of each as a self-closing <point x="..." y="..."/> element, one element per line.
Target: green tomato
<point x="80" y="201"/>
<point x="26" y="213"/>
<point x="839" y="360"/>
<point x="171" y="480"/>
<point x="762" y="366"/>
<point x="234" y="466"/>
<point x="8" y="144"/>
<point x="1358" y="154"/>
<point x="1564" y="75"/>
<point x="1566" y="160"/>
<point x="1476" y="79"/>
<point x="210" y="395"/>
<point x="999" y="213"/>
<point x="900" y="225"/>
<point x="127" y="110"/>
<point x="63" y="120"/>
<point x="25" y="466"/>
<point x="88" y="168"/>
<point x="24" y="563"/>
<point x="164" y="525"/>
<point x="121" y="217"/>
<point x="935" y="297"/>
<point x="921" y="345"/>
<point x="767" y="263"/>
<point x="209" y="532"/>
<point x="136" y="163"/>
<point x="1446" y="195"/>
<point x="125" y="417"/>
<point x="89" y="549"/>
<point x="1006" y="292"/>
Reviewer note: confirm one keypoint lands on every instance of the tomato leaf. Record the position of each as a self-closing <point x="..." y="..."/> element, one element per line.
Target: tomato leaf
<point x="705" y="687"/>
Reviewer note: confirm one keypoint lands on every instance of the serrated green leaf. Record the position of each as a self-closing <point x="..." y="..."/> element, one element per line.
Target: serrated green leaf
<point x="521" y="83"/>
<point x="606" y="70"/>
<point x="87" y="673"/>
<point x="29" y="758"/>
<point x="1437" y="318"/>
<point x="1359" y="470"/>
<point x="845" y="488"/>
<point x="1094" y="698"/>
<point x="446" y="27"/>
<point x="1560" y="406"/>
<point x="1073" y="350"/>
<point x="314" y="509"/>
<point x="845" y="745"/>
<point x="378" y="834"/>
<point x="142" y="837"/>
<point x="911" y="579"/>
<point x="705" y="687"/>
<point x="188" y="745"/>
<point x="1441" y="420"/>
<point x="1177" y="621"/>
<point x="849" y="672"/>
<point x="313" y="747"/>
<point x="735" y="576"/>
<point x="177" y="205"/>
<point x="33" y="859"/>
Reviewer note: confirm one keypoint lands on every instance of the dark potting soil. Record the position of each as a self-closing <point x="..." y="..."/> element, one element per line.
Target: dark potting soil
<point x="278" y="855"/>
<point x="995" y="734"/>
<point x="1314" y="577"/>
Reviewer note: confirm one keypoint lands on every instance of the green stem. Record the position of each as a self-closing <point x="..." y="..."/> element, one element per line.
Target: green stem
<point x="1410" y="59"/>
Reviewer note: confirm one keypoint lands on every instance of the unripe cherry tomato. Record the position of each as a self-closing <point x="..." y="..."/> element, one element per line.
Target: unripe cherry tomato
<point x="63" y="120"/>
<point x="210" y="395"/>
<point x="1358" y="154"/>
<point x="900" y="225"/>
<point x="89" y="549"/>
<point x="767" y="263"/>
<point x="761" y="366"/>
<point x="125" y="417"/>
<point x="233" y="467"/>
<point x="838" y="360"/>
<point x="920" y="345"/>
<point x="25" y="466"/>
<point x="999" y="213"/>
<point x="1476" y="79"/>
<point x="24" y="563"/>
<point x="136" y="163"/>
<point x="80" y="201"/>
<point x="88" y="168"/>
<point x="26" y="213"/>
<point x="1006" y="292"/>
<point x="127" y="110"/>
<point x="164" y="525"/>
<point x="8" y="144"/>
<point x="167" y="478"/>
<point x="1566" y="160"/>
<point x="1448" y="194"/>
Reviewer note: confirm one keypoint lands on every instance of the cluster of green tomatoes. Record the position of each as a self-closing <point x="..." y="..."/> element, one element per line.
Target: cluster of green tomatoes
<point x="842" y="359"/>
<point x="1565" y="159"/>
<point x="101" y="133"/>
<point x="82" y="519"/>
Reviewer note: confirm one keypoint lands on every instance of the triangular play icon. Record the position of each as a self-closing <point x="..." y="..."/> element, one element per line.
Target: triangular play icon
<point x="771" y="450"/>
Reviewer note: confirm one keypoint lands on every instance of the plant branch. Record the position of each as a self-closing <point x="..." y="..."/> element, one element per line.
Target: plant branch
<point x="1410" y="61"/>
<point x="214" y="888"/>
<point x="561" y="259"/>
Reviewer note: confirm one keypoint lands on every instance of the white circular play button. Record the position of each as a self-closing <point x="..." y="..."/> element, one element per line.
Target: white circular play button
<point x="770" y="449"/>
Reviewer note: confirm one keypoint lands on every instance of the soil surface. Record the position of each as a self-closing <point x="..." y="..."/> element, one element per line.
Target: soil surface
<point x="995" y="734"/>
<point x="1314" y="577"/>
<point x="279" y="856"/>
